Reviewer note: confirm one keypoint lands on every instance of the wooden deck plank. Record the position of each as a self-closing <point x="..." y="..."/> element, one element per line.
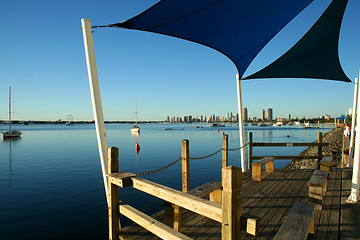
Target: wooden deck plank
<point x="350" y="212"/>
<point x="297" y="192"/>
<point x="272" y="210"/>
<point x="272" y="200"/>
<point x="322" y="218"/>
<point x="333" y="226"/>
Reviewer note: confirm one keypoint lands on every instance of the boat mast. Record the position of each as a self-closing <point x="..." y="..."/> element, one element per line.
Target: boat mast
<point x="9" y="109"/>
<point x="135" y="111"/>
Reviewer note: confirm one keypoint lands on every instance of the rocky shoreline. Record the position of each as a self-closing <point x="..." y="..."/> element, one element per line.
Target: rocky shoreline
<point x="335" y="140"/>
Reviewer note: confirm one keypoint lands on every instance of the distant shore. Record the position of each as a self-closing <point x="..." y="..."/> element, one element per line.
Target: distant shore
<point x="75" y="122"/>
<point x="335" y="140"/>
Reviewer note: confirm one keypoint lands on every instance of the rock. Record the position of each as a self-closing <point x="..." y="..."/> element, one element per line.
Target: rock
<point x="335" y="140"/>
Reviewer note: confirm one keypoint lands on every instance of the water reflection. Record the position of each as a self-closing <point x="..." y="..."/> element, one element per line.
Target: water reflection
<point x="9" y="141"/>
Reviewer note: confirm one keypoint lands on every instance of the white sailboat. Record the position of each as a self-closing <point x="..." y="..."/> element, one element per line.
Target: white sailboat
<point x="136" y="128"/>
<point x="11" y="133"/>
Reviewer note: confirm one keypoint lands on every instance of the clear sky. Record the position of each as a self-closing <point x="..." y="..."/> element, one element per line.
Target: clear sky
<point x="42" y="57"/>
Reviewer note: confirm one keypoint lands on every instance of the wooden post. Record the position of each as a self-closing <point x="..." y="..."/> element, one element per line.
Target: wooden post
<point x="185" y="165"/>
<point x="172" y="216"/>
<point x="225" y="151"/>
<point x="113" y="209"/>
<point x="319" y="150"/>
<point x="231" y="203"/>
<point x="250" y="150"/>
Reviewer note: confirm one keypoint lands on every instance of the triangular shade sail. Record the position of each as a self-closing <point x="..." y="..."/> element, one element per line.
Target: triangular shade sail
<point x="237" y="28"/>
<point x="316" y="54"/>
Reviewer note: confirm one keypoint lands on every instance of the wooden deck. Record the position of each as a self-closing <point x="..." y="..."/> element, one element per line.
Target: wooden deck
<point x="271" y="200"/>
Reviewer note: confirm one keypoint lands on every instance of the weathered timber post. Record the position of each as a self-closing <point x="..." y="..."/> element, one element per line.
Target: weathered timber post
<point x="319" y="150"/>
<point x="225" y="151"/>
<point x="113" y="209"/>
<point x="250" y="150"/>
<point x="185" y="165"/>
<point x="231" y="203"/>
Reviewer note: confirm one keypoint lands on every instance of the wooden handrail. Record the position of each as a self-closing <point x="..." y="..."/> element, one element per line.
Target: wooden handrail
<point x="263" y="144"/>
<point x="185" y="200"/>
<point x="161" y="230"/>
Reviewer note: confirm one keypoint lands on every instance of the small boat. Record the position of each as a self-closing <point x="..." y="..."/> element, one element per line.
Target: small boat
<point x="136" y="128"/>
<point x="11" y="133"/>
<point x="217" y="125"/>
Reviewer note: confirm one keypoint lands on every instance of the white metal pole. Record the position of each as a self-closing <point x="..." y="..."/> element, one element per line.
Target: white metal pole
<point x="353" y="121"/>
<point x="241" y="125"/>
<point x="354" y="196"/>
<point x="96" y="99"/>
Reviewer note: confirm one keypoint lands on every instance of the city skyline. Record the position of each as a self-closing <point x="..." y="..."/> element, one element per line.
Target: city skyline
<point x="45" y="66"/>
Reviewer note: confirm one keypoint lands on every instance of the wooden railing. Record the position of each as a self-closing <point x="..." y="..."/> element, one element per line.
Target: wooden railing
<point x="228" y="213"/>
<point x="319" y="144"/>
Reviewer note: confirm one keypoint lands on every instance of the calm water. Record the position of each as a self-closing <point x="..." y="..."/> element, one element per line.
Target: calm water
<point x="50" y="179"/>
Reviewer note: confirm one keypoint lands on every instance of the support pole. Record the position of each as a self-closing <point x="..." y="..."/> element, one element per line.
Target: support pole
<point x="354" y="196"/>
<point x="250" y="150"/>
<point x="95" y="99"/>
<point x="231" y="203"/>
<point x="319" y="149"/>
<point x="353" y="121"/>
<point x="241" y="125"/>
<point x="225" y="151"/>
<point x="113" y="208"/>
<point x="185" y="165"/>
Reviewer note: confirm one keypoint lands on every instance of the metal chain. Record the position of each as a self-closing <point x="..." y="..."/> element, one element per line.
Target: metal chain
<point x="234" y="149"/>
<point x="193" y="158"/>
<point x="206" y="156"/>
<point x="158" y="170"/>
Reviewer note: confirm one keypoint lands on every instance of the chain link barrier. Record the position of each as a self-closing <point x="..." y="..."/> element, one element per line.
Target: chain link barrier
<point x="198" y="158"/>
<point x="158" y="170"/>
<point x="192" y="158"/>
<point x="235" y="149"/>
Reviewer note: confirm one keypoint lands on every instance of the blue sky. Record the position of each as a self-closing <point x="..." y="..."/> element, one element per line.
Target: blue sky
<point x="42" y="57"/>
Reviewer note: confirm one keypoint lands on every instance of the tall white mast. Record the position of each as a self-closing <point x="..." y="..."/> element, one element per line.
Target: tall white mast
<point x="241" y="125"/>
<point x="353" y="121"/>
<point x="96" y="99"/>
<point x="10" y="109"/>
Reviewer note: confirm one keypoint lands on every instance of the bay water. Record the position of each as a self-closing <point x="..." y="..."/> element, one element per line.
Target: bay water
<point x="51" y="185"/>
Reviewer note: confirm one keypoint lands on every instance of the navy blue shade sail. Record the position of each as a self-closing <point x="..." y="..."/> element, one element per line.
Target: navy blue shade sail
<point x="316" y="54"/>
<point x="237" y="28"/>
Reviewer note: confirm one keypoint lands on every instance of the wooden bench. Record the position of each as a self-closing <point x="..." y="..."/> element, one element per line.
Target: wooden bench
<point x="325" y="163"/>
<point x="256" y="167"/>
<point x="172" y="212"/>
<point x="317" y="188"/>
<point x="299" y="223"/>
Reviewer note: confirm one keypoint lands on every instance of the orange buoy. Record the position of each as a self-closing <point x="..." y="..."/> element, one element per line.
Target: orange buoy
<point x="137" y="147"/>
<point x="218" y="130"/>
<point x="223" y="133"/>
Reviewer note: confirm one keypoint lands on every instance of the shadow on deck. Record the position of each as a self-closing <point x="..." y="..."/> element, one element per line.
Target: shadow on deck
<point x="271" y="200"/>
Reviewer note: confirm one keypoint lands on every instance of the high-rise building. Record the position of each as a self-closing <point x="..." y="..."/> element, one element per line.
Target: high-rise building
<point x="269" y="114"/>
<point x="245" y="114"/>
<point x="263" y="114"/>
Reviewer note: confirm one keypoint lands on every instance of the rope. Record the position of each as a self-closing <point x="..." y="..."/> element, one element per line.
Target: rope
<point x="234" y="149"/>
<point x="193" y="158"/>
<point x="104" y="26"/>
<point x="158" y="170"/>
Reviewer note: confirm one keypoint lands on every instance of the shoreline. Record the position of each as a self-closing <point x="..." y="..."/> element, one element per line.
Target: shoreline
<point x="335" y="140"/>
